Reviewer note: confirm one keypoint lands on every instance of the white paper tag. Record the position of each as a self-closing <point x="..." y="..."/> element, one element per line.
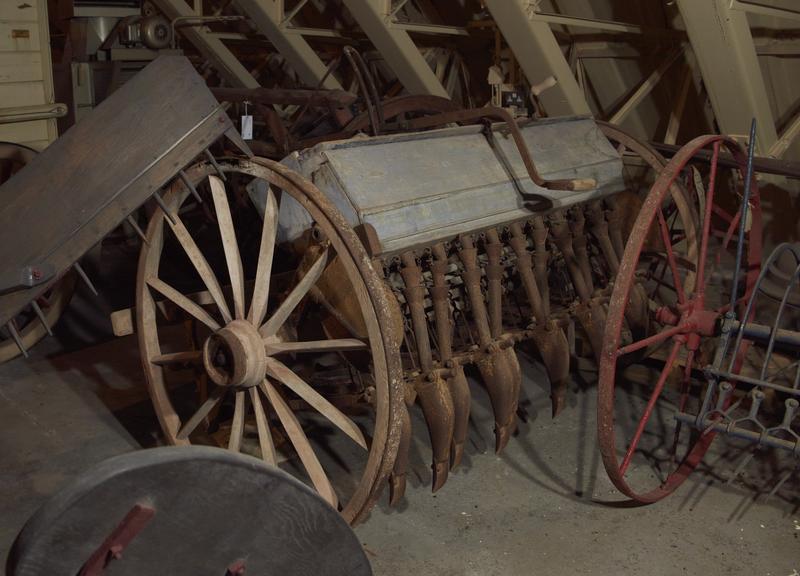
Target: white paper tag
<point x="247" y="127"/>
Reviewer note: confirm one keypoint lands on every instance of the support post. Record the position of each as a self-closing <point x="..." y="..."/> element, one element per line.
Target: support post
<point x="396" y="46"/>
<point x="268" y="17"/>
<point x="211" y="47"/>
<point x="723" y="44"/>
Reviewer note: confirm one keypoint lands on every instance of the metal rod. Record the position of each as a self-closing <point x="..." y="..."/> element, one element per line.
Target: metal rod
<point x="190" y="186"/>
<point x="743" y="224"/>
<point x="744" y="433"/>
<point x="132" y="221"/>
<point x="161" y="204"/>
<point x="40" y="315"/>
<point x="788" y="168"/>
<point x="17" y="340"/>
<point x="216" y="165"/>
<point x="761" y="333"/>
<point x="752" y="381"/>
<point x="85" y="278"/>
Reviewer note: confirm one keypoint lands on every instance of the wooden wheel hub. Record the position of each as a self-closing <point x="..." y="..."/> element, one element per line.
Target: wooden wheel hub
<point x="234" y="356"/>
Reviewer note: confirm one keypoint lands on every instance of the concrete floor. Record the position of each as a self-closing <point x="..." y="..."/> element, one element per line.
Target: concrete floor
<point x="543" y="507"/>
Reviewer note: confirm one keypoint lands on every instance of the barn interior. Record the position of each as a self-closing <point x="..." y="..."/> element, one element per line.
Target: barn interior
<point x="388" y="286"/>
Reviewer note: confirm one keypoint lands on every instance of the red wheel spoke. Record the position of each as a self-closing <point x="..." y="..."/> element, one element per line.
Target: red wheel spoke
<point x="650" y="340"/>
<point x="651" y="403"/>
<point x="701" y="265"/>
<point x="687" y="374"/>
<point x="722" y="213"/>
<point x="665" y="237"/>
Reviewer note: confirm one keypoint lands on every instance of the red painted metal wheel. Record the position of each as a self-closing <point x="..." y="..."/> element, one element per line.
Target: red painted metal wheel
<point x="681" y="253"/>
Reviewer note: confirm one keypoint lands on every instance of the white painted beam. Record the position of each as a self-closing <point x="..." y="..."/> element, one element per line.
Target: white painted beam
<point x="396" y="47"/>
<point x="723" y="45"/>
<point x="209" y="45"/>
<point x="268" y="17"/>
<point x="539" y="55"/>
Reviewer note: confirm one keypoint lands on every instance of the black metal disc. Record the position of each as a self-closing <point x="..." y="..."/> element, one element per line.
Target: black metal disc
<point x="212" y="509"/>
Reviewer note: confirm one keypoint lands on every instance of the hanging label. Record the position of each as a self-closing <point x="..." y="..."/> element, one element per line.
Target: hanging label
<point x="247" y="123"/>
<point x="247" y="127"/>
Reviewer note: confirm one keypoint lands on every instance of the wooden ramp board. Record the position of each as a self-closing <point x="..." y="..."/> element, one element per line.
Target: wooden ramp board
<point x="102" y="169"/>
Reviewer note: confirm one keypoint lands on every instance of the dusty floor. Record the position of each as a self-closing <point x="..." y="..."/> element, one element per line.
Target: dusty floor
<point x="543" y="507"/>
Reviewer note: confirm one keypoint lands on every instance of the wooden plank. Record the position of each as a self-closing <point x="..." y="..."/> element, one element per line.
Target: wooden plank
<point x="19" y="11"/>
<point x="21" y="132"/>
<point x="105" y="167"/>
<point x="19" y="36"/>
<point x="18" y="94"/>
<point x="21" y="67"/>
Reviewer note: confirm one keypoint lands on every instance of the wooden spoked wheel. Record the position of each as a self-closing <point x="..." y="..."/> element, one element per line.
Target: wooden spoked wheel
<point x="681" y="265"/>
<point x="288" y="355"/>
<point x="28" y="326"/>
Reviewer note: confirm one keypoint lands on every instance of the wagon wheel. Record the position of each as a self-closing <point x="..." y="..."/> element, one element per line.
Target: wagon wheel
<point x="28" y="326"/>
<point x="645" y="454"/>
<point x="642" y="165"/>
<point x="263" y="377"/>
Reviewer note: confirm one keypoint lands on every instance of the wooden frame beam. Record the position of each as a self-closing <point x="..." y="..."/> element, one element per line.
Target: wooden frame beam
<point x="539" y="55"/>
<point x="724" y="48"/>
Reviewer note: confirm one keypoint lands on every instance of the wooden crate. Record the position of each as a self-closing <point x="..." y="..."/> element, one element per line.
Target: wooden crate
<point x="26" y="76"/>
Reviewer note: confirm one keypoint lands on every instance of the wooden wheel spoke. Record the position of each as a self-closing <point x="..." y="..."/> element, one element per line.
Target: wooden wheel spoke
<point x="280" y="372"/>
<point x="205" y="408"/>
<point x="283" y="312"/>
<point x="651" y="403"/>
<point x="201" y="265"/>
<point x="262" y="423"/>
<point x="258" y="306"/>
<point x="336" y="345"/>
<point x="183" y="302"/>
<point x="665" y="237"/>
<point x="187" y="357"/>
<point x="237" y="426"/>
<point x="301" y="444"/>
<point x="229" y="244"/>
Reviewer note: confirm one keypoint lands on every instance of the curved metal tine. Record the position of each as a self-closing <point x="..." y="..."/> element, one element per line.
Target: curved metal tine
<point x="774" y="332"/>
<point x="738" y="470"/>
<point x="788" y="474"/>
<point x="163" y="205"/>
<point x="188" y="183"/>
<point x="301" y="444"/>
<point x="135" y="225"/>
<point x="743" y="224"/>
<point x="217" y="393"/>
<point x="183" y="302"/>
<point x="266" y="251"/>
<point x="237" y="425"/>
<point x="40" y="315"/>
<point x="282" y="373"/>
<point x="202" y="266"/>
<point x="85" y="277"/>
<point x="286" y="307"/>
<point x="262" y="423"/>
<point x="229" y="244"/>
<point x="777" y="253"/>
<point x="15" y="336"/>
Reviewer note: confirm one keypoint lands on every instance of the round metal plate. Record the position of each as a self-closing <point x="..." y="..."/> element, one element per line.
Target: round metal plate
<point x="213" y="509"/>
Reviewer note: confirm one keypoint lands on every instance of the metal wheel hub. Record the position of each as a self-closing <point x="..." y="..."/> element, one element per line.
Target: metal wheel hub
<point x="693" y="318"/>
<point x="234" y="356"/>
